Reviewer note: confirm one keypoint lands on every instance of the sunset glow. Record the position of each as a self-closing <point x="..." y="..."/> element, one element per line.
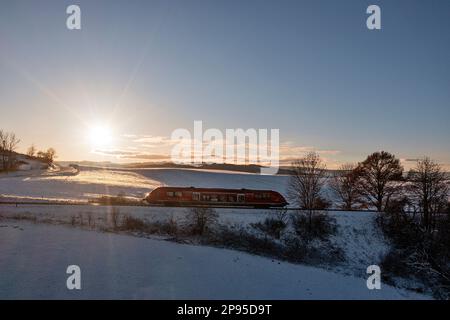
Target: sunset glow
<point x="100" y="136"/>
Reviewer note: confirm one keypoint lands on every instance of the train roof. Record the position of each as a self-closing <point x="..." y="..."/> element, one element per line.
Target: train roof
<point x="212" y="189"/>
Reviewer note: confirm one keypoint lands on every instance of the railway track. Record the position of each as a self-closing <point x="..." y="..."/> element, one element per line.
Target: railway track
<point x="86" y="203"/>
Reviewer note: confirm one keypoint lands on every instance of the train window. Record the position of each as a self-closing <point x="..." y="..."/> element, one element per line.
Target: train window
<point x="196" y="196"/>
<point x="170" y="193"/>
<point x="241" y="197"/>
<point x="178" y="194"/>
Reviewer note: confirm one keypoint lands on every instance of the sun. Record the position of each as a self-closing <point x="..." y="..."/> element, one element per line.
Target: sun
<point x="100" y="136"/>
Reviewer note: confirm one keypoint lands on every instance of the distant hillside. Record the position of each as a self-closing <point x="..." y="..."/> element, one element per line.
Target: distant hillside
<point x="106" y="164"/>
<point x="251" y="168"/>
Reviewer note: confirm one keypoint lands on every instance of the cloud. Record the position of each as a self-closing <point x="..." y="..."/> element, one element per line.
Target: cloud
<point x="289" y="149"/>
<point x="154" y="148"/>
<point x="149" y="139"/>
<point x="129" y="154"/>
<point x="113" y="152"/>
<point x="146" y="156"/>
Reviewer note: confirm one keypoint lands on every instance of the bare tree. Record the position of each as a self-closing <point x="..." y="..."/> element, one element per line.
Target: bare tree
<point x="51" y="155"/>
<point x="344" y="184"/>
<point x="47" y="156"/>
<point x="307" y="181"/>
<point x="8" y="146"/>
<point x="31" y="151"/>
<point x="429" y="189"/>
<point x="380" y="176"/>
<point x="12" y="146"/>
<point x="201" y="219"/>
<point x="3" y="148"/>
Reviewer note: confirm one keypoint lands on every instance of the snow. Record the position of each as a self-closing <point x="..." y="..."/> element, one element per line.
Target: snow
<point x="216" y="179"/>
<point x="71" y="185"/>
<point x="357" y="236"/>
<point x="30" y="164"/>
<point x="92" y="182"/>
<point x="34" y="258"/>
<point x="359" y="239"/>
<point x="362" y="243"/>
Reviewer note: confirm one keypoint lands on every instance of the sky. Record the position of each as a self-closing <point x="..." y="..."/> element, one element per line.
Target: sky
<point x="137" y="70"/>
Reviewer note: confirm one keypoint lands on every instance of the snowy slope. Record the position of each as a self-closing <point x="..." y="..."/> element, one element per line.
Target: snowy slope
<point x="215" y="179"/>
<point x="117" y="266"/>
<point x="69" y="185"/>
<point x="362" y="243"/>
<point x="91" y="182"/>
<point x="357" y="235"/>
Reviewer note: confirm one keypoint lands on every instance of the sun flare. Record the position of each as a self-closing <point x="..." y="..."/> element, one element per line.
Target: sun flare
<point x="100" y="136"/>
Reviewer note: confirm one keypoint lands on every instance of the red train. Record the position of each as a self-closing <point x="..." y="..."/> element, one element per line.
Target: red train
<point x="179" y="196"/>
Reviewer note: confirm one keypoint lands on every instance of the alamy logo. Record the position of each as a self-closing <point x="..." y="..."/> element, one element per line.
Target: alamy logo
<point x="74" y="280"/>
<point x="236" y="146"/>
<point x="73" y="21"/>
<point x="374" y="20"/>
<point x="374" y="280"/>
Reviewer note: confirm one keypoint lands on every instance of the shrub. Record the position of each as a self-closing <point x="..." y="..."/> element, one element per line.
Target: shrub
<point x="171" y="226"/>
<point x="90" y="219"/>
<point x="295" y="249"/>
<point x="316" y="225"/>
<point x="239" y="238"/>
<point x="130" y="223"/>
<point x="322" y="203"/>
<point x="200" y="219"/>
<point x="114" y="216"/>
<point x="80" y="219"/>
<point x="291" y="248"/>
<point x="447" y="208"/>
<point x="271" y="226"/>
<point x="417" y="253"/>
<point x="119" y="200"/>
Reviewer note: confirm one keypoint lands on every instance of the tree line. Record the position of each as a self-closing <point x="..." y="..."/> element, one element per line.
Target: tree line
<point x="47" y="156"/>
<point x="379" y="182"/>
<point x="8" y="146"/>
<point x="9" y="143"/>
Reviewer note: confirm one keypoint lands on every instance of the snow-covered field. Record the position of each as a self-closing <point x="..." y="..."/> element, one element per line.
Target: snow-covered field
<point x="362" y="244"/>
<point x="34" y="258"/>
<point x="31" y="255"/>
<point x="92" y="182"/>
